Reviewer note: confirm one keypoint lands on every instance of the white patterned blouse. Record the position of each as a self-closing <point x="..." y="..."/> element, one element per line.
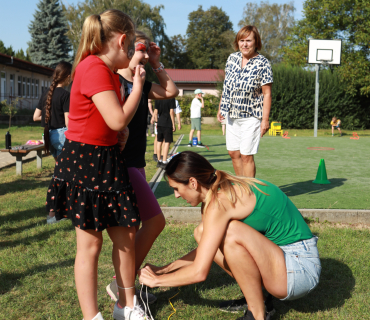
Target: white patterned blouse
<point x="242" y="92"/>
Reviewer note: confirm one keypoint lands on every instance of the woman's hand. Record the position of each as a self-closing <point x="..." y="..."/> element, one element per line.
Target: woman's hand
<point x="265" y="125"/>
<point x="147" y="276"/>
<point x="154" y="55"/>
<point x="220" y="118"/>
<point x="122" y="138"/>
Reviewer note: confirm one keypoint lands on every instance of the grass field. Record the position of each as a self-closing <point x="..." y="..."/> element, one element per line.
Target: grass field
<point x="36" y="260"/>
<point x="292" y="167"/>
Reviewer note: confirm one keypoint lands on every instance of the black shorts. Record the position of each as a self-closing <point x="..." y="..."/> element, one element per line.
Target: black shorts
<point x="164" y="133"/>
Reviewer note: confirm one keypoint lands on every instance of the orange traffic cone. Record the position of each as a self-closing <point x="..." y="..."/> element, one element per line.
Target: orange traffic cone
<point x="321" y="177"/>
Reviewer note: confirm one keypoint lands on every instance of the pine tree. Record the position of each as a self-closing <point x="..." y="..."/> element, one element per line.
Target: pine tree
<point x="49" y="43"/>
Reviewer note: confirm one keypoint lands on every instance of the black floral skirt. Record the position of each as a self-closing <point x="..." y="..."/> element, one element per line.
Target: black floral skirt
<point x="91" y="187"/>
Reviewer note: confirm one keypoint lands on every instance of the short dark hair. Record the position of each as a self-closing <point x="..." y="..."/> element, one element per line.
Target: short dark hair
<point x="244" y="32"/>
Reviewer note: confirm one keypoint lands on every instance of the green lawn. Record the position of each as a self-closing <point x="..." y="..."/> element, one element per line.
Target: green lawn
<point x="291" y="166"/>
<point x="36" y="260"/>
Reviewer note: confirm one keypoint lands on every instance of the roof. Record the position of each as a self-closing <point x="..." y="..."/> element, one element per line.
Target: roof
<point x="24" y="65"/>
<point x="196" y="75"/>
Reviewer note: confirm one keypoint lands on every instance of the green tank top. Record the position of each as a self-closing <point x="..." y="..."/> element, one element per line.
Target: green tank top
<point x="276" y="217"/>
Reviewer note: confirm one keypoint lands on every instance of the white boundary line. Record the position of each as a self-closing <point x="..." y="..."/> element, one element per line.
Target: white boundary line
<point x="157" y="178"/>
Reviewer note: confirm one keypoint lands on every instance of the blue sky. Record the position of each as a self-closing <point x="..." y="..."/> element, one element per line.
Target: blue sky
<point x="17" y="14"/>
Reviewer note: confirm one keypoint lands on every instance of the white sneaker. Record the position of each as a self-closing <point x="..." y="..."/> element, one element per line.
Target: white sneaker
<point x="126" y="313"/>
<point x="97" y="317"/>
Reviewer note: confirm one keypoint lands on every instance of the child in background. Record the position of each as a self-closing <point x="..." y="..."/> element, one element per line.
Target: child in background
<point x="151" y="215"/>
<point x="52" y="110"/>
<point x="335" y="123"/>
<point x="91" y="185"/>
<point x="178" y="110"/>
<point x="195" y="118"/>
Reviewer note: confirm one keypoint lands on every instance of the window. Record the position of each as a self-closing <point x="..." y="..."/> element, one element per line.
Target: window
<point x="28" y="87"/>
<point x="32" y="88"/>
<point x="36" y="88"/>
<point x="3" y="86"/>
<point x="12" y="90"/>
<point x="19" y="86"/>
<point x="188" y="92"/>
<point x="24" y="87"/>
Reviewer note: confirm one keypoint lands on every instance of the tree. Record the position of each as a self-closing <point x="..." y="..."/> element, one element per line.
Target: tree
<point x="348" y="20"/>
<point x="10" y="109"/>
<point x="175" y="54"/>
<point x="274" y="23"/>
<point x="3" y="49"/>
<point x="147" y="19"/>
<point x="49" y="43"/>
<point x="209" y="38"/>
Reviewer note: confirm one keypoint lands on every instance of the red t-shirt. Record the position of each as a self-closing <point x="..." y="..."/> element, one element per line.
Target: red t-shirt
<point x="85" y="121"/>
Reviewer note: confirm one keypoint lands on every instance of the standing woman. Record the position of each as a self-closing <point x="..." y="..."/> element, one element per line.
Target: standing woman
<point x="53" y="109"/>
<point x="91" y="185"/>
<point x="246" y="100"/>
<point x="250" y="228"/>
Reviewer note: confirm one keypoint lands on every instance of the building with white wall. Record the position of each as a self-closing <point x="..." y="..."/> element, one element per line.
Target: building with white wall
<point x="19" y="78"/>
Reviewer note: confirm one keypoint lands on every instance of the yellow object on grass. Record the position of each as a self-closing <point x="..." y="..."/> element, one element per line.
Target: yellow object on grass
<point x="169" y="300"/>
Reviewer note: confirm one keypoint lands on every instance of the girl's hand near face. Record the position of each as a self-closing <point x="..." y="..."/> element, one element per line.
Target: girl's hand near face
<point x="139" y="78"/>
<point x="154" y="55"/>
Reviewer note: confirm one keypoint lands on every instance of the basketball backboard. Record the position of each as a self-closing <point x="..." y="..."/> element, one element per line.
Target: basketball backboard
<point x="324" y="51"/>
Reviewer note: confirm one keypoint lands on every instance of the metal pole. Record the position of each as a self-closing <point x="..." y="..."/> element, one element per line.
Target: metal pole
<point x="317" y="66"/>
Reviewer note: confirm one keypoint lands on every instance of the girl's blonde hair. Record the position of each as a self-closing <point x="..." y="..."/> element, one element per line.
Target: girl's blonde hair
<point x="189" y="164"/>
<point x="98" y="30"/>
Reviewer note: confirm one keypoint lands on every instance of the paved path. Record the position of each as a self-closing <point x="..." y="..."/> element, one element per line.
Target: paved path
<point x="6" y="159"/>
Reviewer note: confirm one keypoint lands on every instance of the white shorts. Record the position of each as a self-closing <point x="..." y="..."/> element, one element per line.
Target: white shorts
<point x="243" y="134"/>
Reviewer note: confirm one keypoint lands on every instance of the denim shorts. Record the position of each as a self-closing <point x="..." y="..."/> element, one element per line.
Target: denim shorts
<point x="303" y="267"/>
<point x="57" y="139"/>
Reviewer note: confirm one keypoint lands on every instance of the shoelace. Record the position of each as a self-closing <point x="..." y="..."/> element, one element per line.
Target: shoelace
<point x="146" y="305"/>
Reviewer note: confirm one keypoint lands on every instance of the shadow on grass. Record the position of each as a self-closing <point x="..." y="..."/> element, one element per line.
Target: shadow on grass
<point x="335" y="287"/>
<point x="8" y="280"/>
<point x="22" y="185"/>
<point x="303" y="187"/>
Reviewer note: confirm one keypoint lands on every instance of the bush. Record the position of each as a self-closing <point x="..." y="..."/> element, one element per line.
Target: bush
<point x="293" y="100"/>
<point x="210" y="109"/>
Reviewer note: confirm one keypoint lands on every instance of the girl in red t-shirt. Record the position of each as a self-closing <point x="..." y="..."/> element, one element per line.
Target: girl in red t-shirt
<point x="91" y="185"/>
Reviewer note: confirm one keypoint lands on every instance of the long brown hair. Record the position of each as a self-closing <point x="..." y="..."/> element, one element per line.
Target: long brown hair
<point x="98" y="29"/>
<point x="60" y="76"/>
<point x="189" y="164"/>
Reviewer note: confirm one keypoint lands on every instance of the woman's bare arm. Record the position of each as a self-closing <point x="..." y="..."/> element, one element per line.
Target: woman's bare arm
<point x="265" y="124"/>
<point x="37" y="115"/>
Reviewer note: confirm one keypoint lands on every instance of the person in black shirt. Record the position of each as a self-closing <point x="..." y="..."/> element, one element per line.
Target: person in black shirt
<point x="151" y="215"/>
<point x="164" y="114"/>
<point x="53" y="109"/>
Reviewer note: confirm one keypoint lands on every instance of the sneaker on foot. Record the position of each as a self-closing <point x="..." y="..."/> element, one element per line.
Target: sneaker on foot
<point x="201" y="145"/>
<point x="162" y="165"/>
<point x="112" y="290"/>
<point x="155" y="158"/>
<point x="248" y="315"/>
<point x="189" y="145"/>
<point x="126" y="313"/>
<point x="234" y="306"/>
<point x="51" y="220"/>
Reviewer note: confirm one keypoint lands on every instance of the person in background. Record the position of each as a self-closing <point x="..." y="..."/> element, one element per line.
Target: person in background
<point x="335" y="123"/>
<point x="52" y="110"/>
<point x="178" y="110"/>
<point x="196" y="118"/>
<point x="164" y="115"/>
<point x="246" y="100"/>
<point x="150" y="127"/>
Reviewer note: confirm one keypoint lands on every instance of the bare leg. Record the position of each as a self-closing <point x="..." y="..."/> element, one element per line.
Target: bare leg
<point x="237" y="162"/>
<point x="146" y="236"/>
<point x="249" y="167"/>
<point x="166" y="147"/>
<point x="255" y="261"/>
<point x="198" y="135"/>
<point x="89" y="243"/>
<point x="191" y="134"/>
<point x="223" y="129"/>
<point x="123" y="257"/>
<point x="332" y="130"/>
<point x="159" y="149"/>
<point x="340" y="131"/>
<point x="155" y="146"/>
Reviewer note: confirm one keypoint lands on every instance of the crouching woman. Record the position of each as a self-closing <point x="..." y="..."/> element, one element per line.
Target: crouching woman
<point x="249" y="228"/>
